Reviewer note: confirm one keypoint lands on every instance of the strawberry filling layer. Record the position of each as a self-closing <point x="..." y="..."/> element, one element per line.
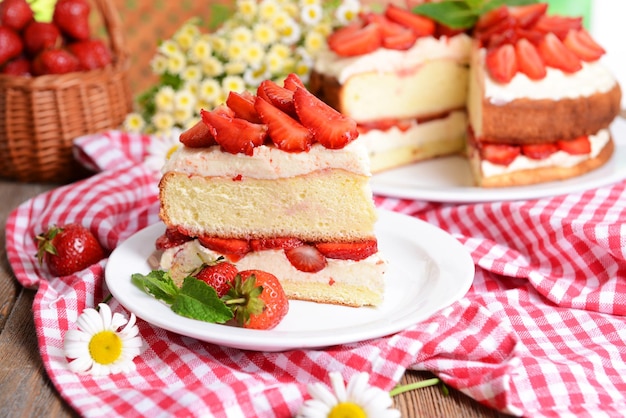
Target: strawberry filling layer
<point x="401" y="124"/>
<point x="308" y="257"/>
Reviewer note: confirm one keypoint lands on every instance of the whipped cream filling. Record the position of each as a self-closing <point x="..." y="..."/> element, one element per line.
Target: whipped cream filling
<point x="383" y="60"/>
<point x="451" y="126"/>
<point x="593" y="78"/>
<point x="185" y="258"/>
<point x="557" y="159"/>
<point x="269" y="162"/>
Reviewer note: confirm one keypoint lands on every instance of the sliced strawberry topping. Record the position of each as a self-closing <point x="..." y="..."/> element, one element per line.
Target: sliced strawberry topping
<point x="198" y="136"/>
<point x="330" y="128"/>
<point x="491" y="18"/>
<point x="274" y="243"/>
<point x="394" y="35"/>
<point x="242" y="104"/>
<point x="555" y="54"/>
<point x="171" y="238"/>
<point x="232" y="248"/>
<point x="559" y="25"/>
<point x="286" y="133"/>
<point x="358" y="250"/>
<point x="292" y="82"/>
<point x="501" y="154"/>
<point x="539" y="151"/>
<point x="529" y="61"/>
<point x="527" y="15"/>
<point x="583" y="46"/>
<point x="501" y="63"/>
<point x="306" y="258"/>
<point x="355" y="39"/>
<point x="234" y="135"/>
<point x="280" y="97"/>
<point x="577" y="146"/>
<point x="422" y="26"/>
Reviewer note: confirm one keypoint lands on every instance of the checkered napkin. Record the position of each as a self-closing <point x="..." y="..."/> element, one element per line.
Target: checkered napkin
<point x="541" y="332"/>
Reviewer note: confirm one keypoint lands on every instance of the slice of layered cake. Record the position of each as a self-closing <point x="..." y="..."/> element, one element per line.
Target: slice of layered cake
<point x="403" y="79"/>
<point x="277" y="182"/>
<point x="540" y="101"/>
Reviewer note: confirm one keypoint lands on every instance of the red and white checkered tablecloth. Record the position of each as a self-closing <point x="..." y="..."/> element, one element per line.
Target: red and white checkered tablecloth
<point x="542" y="331"/>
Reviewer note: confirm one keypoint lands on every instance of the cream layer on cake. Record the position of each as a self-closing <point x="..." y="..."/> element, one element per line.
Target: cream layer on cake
<point x="349" y="282"/>
<point x="425" y="140"/>
<point x="319" y="196"/>
<point x="557" y="159"/>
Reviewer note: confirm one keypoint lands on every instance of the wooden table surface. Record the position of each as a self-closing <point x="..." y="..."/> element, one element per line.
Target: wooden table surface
<point x="26" y="390"/>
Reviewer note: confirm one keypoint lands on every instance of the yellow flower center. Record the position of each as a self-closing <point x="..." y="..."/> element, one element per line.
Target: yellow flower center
<point x="105" y="347"/>
<point x="347" y="410"/>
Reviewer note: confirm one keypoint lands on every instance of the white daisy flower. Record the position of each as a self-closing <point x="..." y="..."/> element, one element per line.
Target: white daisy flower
<point x="169" y="48"/>
<point x="254" y="54"/>
<point x="264" y="33"/>
<point x="314" y="42"/>
<point x="200" y="50"/>
<point x="235" y="51"/>
<point x="247" y="9"/>
<point x="99" y="346"/>
<point x="311" y="14"/>
<point x="357" y="400"/>
<point x="235" y="67"/>
<point x="212" y="67"/>
<point x="347" y="12"/>
<point x="255" y="76"/>
<point x="163" y="121"/>
<point x="176" y="62"/>
<point x="241" y="34"/>
<point x="161" y="149"/>
<point x="268" y="9"/>
<point x="133" y="122"/>
<point x="291" y="33"/>
<point x="164" y="98"/>
<point x="184" y="99"/>
<point x="209" y="90"/>
<point x="233" y="83"/>
<point x="191" y="73"/>
<point x="159" y="64"/>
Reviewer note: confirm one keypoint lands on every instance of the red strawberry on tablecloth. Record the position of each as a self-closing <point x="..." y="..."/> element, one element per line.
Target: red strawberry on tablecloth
<point x="68" y="249"/>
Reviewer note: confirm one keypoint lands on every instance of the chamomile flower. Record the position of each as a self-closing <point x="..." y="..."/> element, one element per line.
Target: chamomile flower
<point x="347" y="11"/>
<point x="247" y="9"/>
<point x="311" y="14"/>
<point x="159" y="64"/>
<point x="357" y="400"/>
<point x="100" y="346"/>
<point x="264" y="33"/>
<point x="176" y="63"/>
<point x="134" y="122"/>
<point x="254" y="54"/>
<point x="209" y="90"/>
<point x="164" y="99"/>
<point x="161" y="149"/>
<point x="233" y="83"/>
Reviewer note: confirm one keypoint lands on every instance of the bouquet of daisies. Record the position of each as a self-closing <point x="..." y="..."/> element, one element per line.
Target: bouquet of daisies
<point x="261" y="39"/>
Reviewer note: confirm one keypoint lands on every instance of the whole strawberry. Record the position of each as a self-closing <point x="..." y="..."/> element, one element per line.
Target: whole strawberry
<point x="219" y="275"/>
<point x="68" y="249"/>
<point x="19" y="66"/>
<point x="41" y="35"/>
<point x="10" y="44"/>
<point x="54" y="61"/>
<point x="15" y="14"/>
<point x="257" y="300"/>
<point x="91" y="54"/>
<point x="72" y="18"/>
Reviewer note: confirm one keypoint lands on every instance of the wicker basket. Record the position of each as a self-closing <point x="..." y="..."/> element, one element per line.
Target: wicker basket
<point x="41" y="116"/>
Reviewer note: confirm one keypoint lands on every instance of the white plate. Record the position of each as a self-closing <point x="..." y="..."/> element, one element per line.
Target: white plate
<point x="449" y="179"/>
<point x="428" y="271"/>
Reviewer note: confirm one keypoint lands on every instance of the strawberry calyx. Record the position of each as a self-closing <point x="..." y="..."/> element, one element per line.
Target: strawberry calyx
<point x="44" y="243"/>
<point x="244" y="299"/>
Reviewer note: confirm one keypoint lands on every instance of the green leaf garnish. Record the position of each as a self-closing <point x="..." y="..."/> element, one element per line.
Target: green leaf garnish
<point x="198" y="300"/>
<point x="195" y="299"/>
<point x="463" y="14"/>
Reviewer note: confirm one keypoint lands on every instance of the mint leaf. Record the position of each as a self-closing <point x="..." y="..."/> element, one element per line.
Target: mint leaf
<point x="454" y="14"/>
<point x="158" y="283"/>
<point x="198" y="300"/>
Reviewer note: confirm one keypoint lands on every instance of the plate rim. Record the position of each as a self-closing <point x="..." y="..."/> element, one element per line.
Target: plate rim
<point x="280" y="340"/>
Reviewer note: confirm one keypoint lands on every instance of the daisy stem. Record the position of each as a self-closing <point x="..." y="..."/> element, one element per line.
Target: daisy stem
<point x="415" y="385"/>
<point x="105" y="300"/>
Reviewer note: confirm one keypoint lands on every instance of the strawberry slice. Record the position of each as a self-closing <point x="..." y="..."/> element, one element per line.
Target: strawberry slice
<point x="500" y="154"/>
<point x="284" y="131"/>
<point x="559" y="25"/>
<point x="576" y="146"/>
<point x="233" y="248"/>
<point x="355" y="39"/>
<point x="234" y="135"/>
<point x="527" y="15"/>
<point x="242" y="104"/>
<point x="394" y="35"/>
<point x="292" y="82"/>
<point x="529" y="61"/>
<point x="583" y="46"/>
<point x="422" y="26"/>
<point x="279" y="96"/>
<point x="171" y="238"/>
<point x="502" y="28"/>
<point x="306" y="258"/>
<point x="274" y="243"/>
<point x="198" y="136"/>
<point x="330" y="128"/>
<point x="491" y="18"/>
<point x="555" y="54"/>
<point x="501" y="62"/>
<point x="539" y="151"/>
<point x="356" y="251"/>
